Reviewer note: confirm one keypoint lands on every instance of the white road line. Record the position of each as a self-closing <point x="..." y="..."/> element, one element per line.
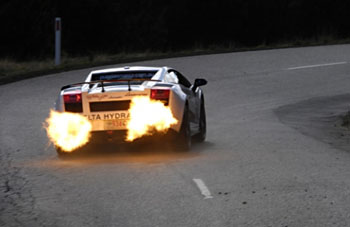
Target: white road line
<point x="203" y="188"/>
<point x="319" y="65"/>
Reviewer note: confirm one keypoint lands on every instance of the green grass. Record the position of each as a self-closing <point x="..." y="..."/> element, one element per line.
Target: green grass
<point x="11" y="70"/>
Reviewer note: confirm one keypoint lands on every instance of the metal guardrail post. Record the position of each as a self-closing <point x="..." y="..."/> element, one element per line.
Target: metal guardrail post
<point x="58" y="28"/>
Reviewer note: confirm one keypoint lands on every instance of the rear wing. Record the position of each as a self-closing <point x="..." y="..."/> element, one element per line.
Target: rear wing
<point x="102" y="82"/>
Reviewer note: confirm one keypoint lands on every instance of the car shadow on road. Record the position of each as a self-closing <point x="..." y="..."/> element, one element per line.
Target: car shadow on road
<point x="144" y="152"/>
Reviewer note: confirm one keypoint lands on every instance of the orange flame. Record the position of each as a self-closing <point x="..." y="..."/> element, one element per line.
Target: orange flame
<point x="68" y="131"/>
<point x="147" y="115"/>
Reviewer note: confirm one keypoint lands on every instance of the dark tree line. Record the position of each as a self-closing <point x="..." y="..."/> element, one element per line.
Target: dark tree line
<point x="105" y="26"/>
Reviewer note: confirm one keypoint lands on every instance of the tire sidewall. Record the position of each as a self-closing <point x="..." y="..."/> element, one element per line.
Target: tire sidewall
<point x="185" y="132"/>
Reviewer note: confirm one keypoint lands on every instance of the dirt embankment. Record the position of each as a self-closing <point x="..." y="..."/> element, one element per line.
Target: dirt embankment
<point x="326" y="119"/>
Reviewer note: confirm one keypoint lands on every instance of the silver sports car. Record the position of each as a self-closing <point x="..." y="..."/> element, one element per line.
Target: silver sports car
<point x="105" y="96"/>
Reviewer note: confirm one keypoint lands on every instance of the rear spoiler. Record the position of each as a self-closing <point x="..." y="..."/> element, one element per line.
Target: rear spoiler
<point x="106" y="81"/>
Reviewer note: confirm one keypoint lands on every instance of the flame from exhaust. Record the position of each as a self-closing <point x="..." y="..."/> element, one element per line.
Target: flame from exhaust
<point x="147" y="115"/>
<point x="68" y="131"/>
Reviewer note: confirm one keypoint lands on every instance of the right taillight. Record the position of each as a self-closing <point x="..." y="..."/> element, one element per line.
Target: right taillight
<point x="161" y="94"/>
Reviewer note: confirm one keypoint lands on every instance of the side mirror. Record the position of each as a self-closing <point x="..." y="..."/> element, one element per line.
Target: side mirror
<point x="199" y="82"/>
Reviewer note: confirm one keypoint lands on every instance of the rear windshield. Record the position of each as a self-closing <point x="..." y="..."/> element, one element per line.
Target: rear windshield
<point x="123" y="75"/>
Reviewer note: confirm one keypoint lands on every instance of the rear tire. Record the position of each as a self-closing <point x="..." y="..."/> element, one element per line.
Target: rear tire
<point x="200" y="137"/>
<point x="183" y="143"/>
<point x="61" y="153"/>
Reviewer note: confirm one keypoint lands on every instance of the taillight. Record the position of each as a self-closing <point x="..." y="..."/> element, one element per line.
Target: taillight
<point x="72" y="98"/>
<point x="73" y="102"/>
<point x="160" y="94"/>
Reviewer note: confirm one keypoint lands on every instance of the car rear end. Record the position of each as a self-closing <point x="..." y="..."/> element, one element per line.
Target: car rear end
<point x="107" y="107"/>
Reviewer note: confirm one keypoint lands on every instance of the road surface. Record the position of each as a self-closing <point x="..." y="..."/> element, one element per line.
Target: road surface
<point x="270" y="158"/>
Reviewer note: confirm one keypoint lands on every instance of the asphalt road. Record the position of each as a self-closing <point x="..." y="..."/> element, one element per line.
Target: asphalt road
<point x="258" y="166"/>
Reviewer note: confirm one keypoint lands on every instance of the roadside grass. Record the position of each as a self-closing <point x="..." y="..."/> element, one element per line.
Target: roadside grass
<point x="11" y="70"/>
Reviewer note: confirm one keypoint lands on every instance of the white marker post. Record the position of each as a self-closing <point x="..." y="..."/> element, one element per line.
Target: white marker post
<point x="58" y="41"/>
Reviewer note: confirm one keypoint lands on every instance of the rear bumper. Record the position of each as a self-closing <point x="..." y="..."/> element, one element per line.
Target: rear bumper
<point x="105" y="136"/>
<point x="119" y="136"/>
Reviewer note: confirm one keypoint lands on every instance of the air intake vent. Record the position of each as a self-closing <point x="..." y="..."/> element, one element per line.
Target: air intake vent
<point x="73" y="107"/>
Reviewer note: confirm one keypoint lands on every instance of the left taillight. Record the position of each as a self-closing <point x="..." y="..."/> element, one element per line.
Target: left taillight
<point x="72" y="98"/>
<point x="73" y="102"/>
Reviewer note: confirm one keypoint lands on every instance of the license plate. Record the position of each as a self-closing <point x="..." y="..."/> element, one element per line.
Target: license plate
<point x="115" y="124"/>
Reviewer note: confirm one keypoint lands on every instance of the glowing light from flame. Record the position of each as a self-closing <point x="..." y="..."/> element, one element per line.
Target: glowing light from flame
<point x="68" y="131"/>
<point x="147" y="115"/>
